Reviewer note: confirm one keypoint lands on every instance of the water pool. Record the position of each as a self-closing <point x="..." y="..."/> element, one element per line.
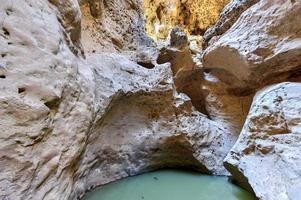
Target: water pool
<point x="170" y="185"/>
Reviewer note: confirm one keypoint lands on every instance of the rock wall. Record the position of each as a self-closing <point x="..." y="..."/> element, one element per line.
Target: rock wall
<point x="266" y="53"/>
<point x="227" y="18"/>
<point x="113" y="26"/>
<point x="267" y="155"/>
<point x="260" y="52"/>
<point x="85" y="101"/>
<point x="73" y="119"/>
<point x="194" y="16"/>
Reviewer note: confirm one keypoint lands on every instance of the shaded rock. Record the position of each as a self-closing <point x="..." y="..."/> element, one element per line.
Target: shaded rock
<point x="44" y="105"/>
<point x="178" y="38"/>
<point x="69" y="16"/>
<point x="268" y="52"/>
<point x="187" y="76"/>
<point x="267" y="155"/>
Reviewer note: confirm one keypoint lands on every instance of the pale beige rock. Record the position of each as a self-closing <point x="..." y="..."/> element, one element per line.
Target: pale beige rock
<point x="208" y="93"/>
<point x="227" y="18"/>
<point x="143" y="124"/>
<point x="44" y="105"/>
<point x="65" y="119"/>
<point x="267" y="155"/>
<point x="113" y="26"/>
<point x="262" y="47"/>
<point x="73" y="118"/>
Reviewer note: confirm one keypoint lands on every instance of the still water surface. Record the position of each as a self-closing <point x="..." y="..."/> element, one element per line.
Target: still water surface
<point x="170" y="185"/>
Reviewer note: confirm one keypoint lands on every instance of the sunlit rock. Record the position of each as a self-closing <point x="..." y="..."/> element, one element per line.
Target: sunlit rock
<point x="194" y="16"/>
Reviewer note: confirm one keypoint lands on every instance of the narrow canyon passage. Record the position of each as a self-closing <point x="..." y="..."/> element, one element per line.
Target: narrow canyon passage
<point x="98" y="97"/>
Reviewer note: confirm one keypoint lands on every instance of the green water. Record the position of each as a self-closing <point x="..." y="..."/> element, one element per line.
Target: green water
<point x="170" y="185"/>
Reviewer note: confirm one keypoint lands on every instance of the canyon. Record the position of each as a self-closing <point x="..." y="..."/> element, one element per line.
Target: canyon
<point x="93" y="91"/>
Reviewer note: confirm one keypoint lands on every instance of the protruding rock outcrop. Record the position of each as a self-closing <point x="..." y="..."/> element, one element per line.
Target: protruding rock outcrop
<point x="83" y="101"/>
<point x="262" y="47"/>
<point x="188" y="77"/>
<point x="228" y="17"/>
<point x="267" y="155"/>
<point x="143" y="124"/>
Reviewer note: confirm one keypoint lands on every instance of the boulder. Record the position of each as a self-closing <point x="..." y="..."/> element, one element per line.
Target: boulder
<point x="266" y="158"/>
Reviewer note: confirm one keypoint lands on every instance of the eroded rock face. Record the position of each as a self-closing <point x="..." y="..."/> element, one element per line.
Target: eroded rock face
<point x="228" y="17"/>
<point x="194" y="16"/>
<point x="74" y="117"/>
<point x="44" y="105"/>
<point x="187" y="76"/>
<point x="113" y="26"/>
<point x="70" y="123"/>
<point x="267" y="156"/>
<point x="143" y="124"/>
<point x="266" y="53"/>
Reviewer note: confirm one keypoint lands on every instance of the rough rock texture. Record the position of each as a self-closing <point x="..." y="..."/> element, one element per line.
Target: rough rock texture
<point x="267" y="52"/>
<point x="267" y="155"/>
<point x="44" y="106"/>
<point x="69" y="123"/>
<point x="69" y="16"/>
<point x="113" y="26"/>
<point x="74" y="117"/>
<point x="188" y="77"/>
<point x="228" y="17"/>
<point x="208" y="94"/>
<point x="194" y="16"/>
<point x="143" y="124"/>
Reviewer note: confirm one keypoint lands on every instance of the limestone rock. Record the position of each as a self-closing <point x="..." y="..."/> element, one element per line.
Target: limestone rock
<point x="262" y="47"/>
<point x="69" y="123"/>
<point x="228" y="17"/>
<point x="194" y="16"/>
<point x="267" y="155"/>
<point x="69" y="16"/>
<point x="188" y="77"/>
<point x="45" y="110"/>
<point x="113" y="26"/>
<point x="142" y="124"/>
